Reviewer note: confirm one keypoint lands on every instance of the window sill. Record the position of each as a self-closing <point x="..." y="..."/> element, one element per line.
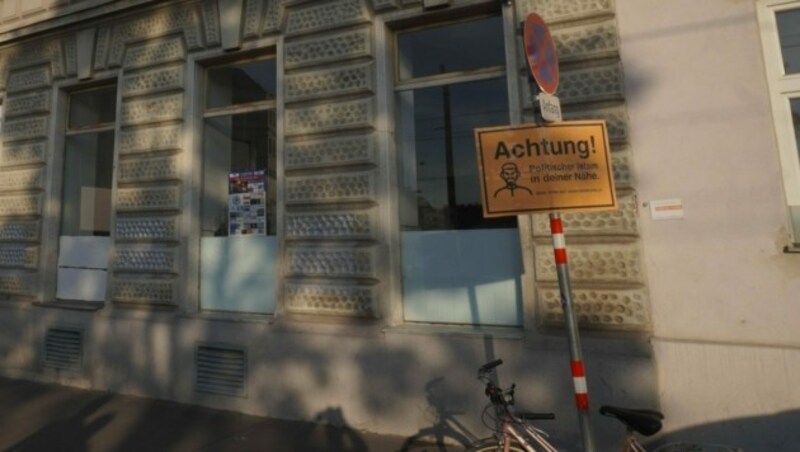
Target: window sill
<point x="72" y="305"/>
<point x="792" y="249"/>
<point x="233" y="317"/>
<point x="437" y="329"/>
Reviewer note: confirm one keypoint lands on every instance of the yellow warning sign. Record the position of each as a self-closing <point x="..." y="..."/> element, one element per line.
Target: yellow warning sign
<point x="541" y="168"/>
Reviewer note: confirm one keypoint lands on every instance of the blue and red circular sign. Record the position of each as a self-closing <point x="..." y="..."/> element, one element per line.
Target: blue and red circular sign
<point x="541" y="53"/>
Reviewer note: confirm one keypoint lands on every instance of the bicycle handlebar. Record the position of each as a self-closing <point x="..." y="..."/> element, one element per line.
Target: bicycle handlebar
<point x="490" y="365"/>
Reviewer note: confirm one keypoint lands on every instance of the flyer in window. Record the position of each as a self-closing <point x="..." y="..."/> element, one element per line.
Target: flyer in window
<point x="247" y="203"/>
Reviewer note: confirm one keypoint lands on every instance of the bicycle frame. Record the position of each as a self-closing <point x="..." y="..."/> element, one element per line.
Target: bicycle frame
<point x="509" y="430"/>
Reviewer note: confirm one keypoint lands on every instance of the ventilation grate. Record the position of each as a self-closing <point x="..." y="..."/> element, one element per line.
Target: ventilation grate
<point x="220" y="370"/>
<point x="63" y="349"/>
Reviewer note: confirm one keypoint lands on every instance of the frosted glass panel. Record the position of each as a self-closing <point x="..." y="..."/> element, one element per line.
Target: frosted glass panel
<point x="465" y="277"/>
<point x="238" y="273"/>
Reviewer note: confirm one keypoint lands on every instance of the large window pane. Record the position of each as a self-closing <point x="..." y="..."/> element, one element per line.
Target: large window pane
<point x="241" y="83"/>
<point x="236" y="144"/>
<point x="789" y="34"/>
<point x="92" y="107"/>
<point x="239" y="249"/>
<point x="456" y="47"/>
<point x="88" y="169"/>
<point x="447" y="187"/>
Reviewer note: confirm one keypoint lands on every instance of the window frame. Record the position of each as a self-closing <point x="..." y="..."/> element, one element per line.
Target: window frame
<point x="200" y="65"/>
<point x="54" y="189"/>
<point x="391" y="85"/>
<point x="782" y="88"/>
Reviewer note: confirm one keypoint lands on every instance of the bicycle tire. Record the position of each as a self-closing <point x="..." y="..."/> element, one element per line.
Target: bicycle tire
<point x="493" y="445"/>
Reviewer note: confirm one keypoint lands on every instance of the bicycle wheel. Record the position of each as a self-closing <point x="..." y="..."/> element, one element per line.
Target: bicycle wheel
<point x="493" y="445"/>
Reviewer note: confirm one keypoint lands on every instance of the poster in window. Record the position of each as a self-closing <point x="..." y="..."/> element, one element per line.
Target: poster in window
<point x="247" y="210"/>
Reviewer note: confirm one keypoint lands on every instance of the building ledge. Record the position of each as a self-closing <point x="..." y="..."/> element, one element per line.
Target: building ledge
<point x="72" y="305"/>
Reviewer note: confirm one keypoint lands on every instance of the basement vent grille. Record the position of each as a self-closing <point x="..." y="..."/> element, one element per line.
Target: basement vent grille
<point x="221" y="370"/>
<point x="63" y="349"/>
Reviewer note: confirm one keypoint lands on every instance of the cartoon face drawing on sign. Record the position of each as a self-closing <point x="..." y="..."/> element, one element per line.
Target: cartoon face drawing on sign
<point x="509" y="172"/>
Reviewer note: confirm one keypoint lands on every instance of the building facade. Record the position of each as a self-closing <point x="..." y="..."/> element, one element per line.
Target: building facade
<point x="272" y="206"/>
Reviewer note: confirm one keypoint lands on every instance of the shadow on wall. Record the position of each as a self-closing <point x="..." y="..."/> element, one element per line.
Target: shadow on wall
<point x="775" y="433"/>
<point x="445" y="429"/>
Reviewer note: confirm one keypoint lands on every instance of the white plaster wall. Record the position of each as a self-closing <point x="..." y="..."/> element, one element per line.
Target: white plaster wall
<point x="701" y="130"/>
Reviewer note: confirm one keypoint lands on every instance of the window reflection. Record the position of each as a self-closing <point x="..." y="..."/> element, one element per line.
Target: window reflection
<point x="451" y="48"/>
<point x="448" y="191"/>
<point x="241" y="83"/>
<point x="789" y="35"/>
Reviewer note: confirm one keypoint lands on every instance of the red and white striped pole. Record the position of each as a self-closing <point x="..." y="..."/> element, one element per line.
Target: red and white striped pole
<point x="578" y="370"/>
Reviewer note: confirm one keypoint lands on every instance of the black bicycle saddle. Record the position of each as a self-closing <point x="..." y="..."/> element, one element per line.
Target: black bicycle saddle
<point x="645" y="422"/>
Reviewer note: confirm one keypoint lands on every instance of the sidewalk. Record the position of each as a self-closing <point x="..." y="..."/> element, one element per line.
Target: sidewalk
<point x="44" y="417"/>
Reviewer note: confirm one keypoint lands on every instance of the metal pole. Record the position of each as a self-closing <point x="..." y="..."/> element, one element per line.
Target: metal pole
<point x="567" y="305"/>
<point x="578" y="370"/>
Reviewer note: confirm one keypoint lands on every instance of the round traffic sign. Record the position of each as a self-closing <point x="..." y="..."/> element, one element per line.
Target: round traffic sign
<point x="541" y="53"/>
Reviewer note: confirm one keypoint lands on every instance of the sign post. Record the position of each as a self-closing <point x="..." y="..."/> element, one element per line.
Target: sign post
<point x="536" y="168"/>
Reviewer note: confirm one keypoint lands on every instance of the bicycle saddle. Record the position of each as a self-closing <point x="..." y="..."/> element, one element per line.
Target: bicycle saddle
<point x="646" y="422"/>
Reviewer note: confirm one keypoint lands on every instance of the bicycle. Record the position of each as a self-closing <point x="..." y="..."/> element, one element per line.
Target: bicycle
<point x="516" y="434"/>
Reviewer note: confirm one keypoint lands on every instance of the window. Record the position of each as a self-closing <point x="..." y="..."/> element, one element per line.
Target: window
<point x="238" y="244"/>
<point x="780" y="32"/>
<point x="458" y="267"/>
<point x="86" y="194"/>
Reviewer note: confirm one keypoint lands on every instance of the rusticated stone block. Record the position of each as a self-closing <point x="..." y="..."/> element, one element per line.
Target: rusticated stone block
<point x="29" y="79"/>
<point x="155" y="24"/>
<point x="616" y="120"/>
<point x="348" y="150"/>
<point x="38" y="102"/>
<point x="144" y="291"/>
<point x="589" y="41"/>
<point x="553" y="11"/>
<point x="607" y="309"/>
<point x="325" y="49"/>
<point x="25" y="129"/>
<point x="147" y="228"/>
<point x="144" y="199"/>
<point x="623" y="221"/>
<point x="162" y="138"/>
<point x="319" y="16"/>
<point x="145" y="259"/>
<point x="597" y="83"/>
<point x="20" y="231"/>
<point x="155" y="53"/>
<point x="606" y="262"/>
<point x="380" y="5"/>
<point x="332" y="262"/>
<point x="148" y="170"/>
<point x="20" y="205"/>
<point x="17" y="256"/>
<point x="151" y="110"/>
<point x="17" y="283"/>
<point x="211" y="22"/>
<point x="22" y="154"/>
<point x="326" y="299"/>
<point x="273" y="15"/>
<point x="21" y="180"/>
<point x="331" y="225"/>
<point x="330" y="117"/>
<point x="153" y="81"/>
<point x="336" y="188"/>
<point x="330" y="82"/>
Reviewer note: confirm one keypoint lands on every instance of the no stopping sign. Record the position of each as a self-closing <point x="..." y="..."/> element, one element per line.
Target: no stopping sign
<point x="541" y="53"/>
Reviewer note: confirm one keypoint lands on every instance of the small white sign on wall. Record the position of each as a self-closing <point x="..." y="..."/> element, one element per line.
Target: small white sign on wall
<point x="666" y="209"/>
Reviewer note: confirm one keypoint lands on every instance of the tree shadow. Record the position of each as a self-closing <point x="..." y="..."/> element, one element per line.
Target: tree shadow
<point x="446" y="430"/>
<point x="70" y="434"/>
<point x="774" y="433"/>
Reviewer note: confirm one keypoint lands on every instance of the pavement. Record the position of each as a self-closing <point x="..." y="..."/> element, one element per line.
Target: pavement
<point x="38" y="417"/>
